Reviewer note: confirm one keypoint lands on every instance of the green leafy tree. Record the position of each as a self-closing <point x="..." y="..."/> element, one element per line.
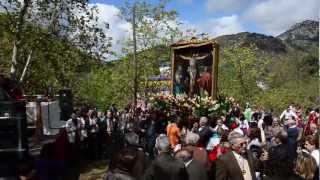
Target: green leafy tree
<point x="55" y="43"/>
<point x="156" y="28"/>
<point x="291" y="79"/>
<point x="106" y="85"/>
<point x="240" y="71"/>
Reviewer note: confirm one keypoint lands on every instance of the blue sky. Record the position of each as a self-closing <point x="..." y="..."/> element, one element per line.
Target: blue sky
<point x="222" y="17"/>
<point x="263" y="16"/>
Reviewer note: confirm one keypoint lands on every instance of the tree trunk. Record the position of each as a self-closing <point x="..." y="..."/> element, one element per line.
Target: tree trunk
<point x="13" y="69"/>
<point x="25" y="67"/>
<point x="17" y="39"/>
<point x="135" y="80"/>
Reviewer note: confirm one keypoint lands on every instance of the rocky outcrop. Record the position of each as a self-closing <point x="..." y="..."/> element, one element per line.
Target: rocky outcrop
<point x="303" y="36"/>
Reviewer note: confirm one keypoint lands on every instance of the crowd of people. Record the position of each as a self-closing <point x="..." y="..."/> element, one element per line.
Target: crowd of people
<point x="246" y="144"/>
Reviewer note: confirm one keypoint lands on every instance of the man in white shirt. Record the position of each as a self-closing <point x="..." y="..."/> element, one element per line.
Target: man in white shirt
<point x="75" y="128"/>
<point x="288" y="113"/>
<point x="220" y="124"/>
<point x="109" y="121"/>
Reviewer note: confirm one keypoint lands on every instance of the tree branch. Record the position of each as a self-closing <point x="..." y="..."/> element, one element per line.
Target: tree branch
<point x="17" y="40"/>
<point x="25" y="67"/>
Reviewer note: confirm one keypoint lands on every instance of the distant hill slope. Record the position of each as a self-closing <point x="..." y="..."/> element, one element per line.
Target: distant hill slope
<point x="262" y="42"/>
<point x="307" y="31"/>
<point x="302" y="37"/>
<point x="287" y="66"/>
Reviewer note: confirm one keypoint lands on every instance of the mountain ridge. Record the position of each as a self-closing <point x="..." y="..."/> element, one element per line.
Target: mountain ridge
<point x="303" y="36"/>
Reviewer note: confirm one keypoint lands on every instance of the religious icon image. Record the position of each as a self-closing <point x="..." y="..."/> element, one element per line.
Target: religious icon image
<point x="179" y="81"/>
<point x="204" y="82"/>
<point x="193" y="70"/>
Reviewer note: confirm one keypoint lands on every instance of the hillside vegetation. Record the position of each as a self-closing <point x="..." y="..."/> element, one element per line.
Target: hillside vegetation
<point x="263" y="70"/>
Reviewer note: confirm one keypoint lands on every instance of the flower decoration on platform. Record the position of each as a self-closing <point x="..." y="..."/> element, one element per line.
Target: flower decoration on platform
<point x="162" y="102"/>
<point x="198" y="106"/>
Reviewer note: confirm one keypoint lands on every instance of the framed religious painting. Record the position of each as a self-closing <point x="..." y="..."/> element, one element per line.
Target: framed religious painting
<point x="195" y="68"/>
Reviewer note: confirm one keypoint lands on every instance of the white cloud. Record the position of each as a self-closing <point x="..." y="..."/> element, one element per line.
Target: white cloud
<point x="119" y="29"/>
<point x="276" y="16"/>
<point x="222" y="26"/>
<point x="188" y="30"/>
<point x="226" y="5"/>
<point x="213" y="27"/>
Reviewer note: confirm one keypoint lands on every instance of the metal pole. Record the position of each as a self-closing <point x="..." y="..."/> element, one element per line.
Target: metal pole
<point x="134" y="55"/>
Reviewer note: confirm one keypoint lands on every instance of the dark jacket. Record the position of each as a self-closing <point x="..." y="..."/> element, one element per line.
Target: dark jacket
<point x="278" y="164"/>
<point x="200" y="154"/>
<point x="196" y="171"/>
<point x="165" y="167"/>
<point x="205" y="134"/>
<point x="291" y="177"/>
<point x="227" y="167"/>
<point x="293" y="134"/>
<point x="118" y="174"/>
<point x="141" y="163"/>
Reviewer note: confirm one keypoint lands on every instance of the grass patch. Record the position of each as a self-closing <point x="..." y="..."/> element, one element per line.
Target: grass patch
<point x="94" y="171"/>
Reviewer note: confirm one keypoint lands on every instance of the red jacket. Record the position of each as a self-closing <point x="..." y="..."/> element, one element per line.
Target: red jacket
<point x="216" y="152"/>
